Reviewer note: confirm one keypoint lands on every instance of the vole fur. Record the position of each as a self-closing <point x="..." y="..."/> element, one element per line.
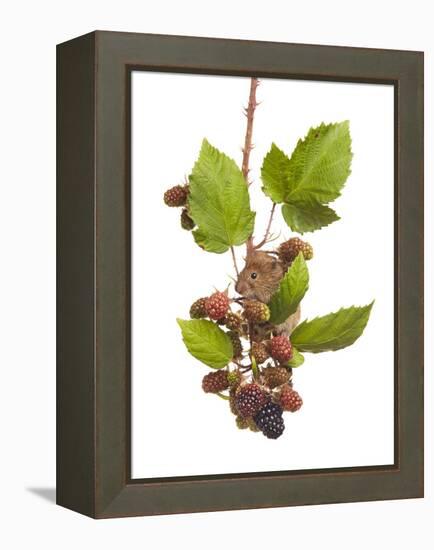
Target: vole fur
<point x="260" y="279"/>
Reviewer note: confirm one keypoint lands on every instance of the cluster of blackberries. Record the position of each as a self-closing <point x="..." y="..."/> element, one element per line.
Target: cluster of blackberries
<point x="258" y="400"/>
<point x="217" y="307"/>
<point x="256" y="407"/>
<point x="258" y="392"/>
<point x="177" y="197"/>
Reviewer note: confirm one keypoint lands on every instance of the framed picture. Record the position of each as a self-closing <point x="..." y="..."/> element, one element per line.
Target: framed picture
<point x="240" y="274"/>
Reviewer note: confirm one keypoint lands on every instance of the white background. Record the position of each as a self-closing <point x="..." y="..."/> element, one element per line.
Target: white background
<point x="347" y="417"/>
<point x="27" y="405"/>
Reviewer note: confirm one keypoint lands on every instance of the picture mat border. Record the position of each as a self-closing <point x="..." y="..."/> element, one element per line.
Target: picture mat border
<point x="165" y="464"/>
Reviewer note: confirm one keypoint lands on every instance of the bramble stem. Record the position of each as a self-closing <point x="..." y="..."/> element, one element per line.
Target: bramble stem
<point x="234" y="259"/>
<point x="249" y="111"/>
<point x="267" y="231"/>
<point x="242" y="368"/>
<point x="222" y="396"/>
<point x="246" y="369"/>
<point x="255" y="368"/>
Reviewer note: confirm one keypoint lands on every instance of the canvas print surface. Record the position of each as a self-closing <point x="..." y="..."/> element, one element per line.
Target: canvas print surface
<point x="262" y="275"/>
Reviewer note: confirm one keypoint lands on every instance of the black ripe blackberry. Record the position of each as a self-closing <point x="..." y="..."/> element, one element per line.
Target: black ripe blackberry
<point x="270" y="421"/>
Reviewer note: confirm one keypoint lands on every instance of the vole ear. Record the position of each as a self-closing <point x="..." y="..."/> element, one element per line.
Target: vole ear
<point x="276" y="264"/>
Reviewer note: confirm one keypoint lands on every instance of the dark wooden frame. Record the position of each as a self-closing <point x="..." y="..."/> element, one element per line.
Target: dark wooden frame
<point x="93" y="372"/>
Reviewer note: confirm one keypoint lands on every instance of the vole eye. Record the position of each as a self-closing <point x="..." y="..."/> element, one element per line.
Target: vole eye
<point x="253" y="275"/>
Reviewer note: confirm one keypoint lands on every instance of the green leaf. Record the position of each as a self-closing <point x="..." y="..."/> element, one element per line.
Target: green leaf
<point x="314" y="176"/>
<point x="320" y="164"/>
<point x="206" y="342"/>
<point x="308" y="216"/>
<point x="274" y="172"/>
<point x="219" y="201"/>
<point x="296" y="360"/>
<point x="333" y="331"/>
<point x="291" y="291"/>
<point x="208" y="243"/>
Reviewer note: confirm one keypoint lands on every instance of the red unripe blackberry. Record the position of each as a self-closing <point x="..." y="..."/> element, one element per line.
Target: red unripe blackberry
<point x="198" y="309"/>
<point x="290" y="400"/>
<point x="269" y="420"/>
<point x="249" y="399"/>
<point x="289" y="250"/>
<point x="280" y="349"/>
<point x="217" y="305"/>
<point x="214" y="382"/>
<point x="275" y="376"/>
<point x="256" y="312"/>
<point x="186" y="222"/>
<point x="260" y="352"/>
<point x="176" y="196"/>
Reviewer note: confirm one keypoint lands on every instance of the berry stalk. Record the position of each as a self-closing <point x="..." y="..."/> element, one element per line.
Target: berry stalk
<point x="266" y="238"/>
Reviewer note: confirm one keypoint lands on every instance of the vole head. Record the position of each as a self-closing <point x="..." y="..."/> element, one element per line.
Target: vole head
<point x="260" y="277"/>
